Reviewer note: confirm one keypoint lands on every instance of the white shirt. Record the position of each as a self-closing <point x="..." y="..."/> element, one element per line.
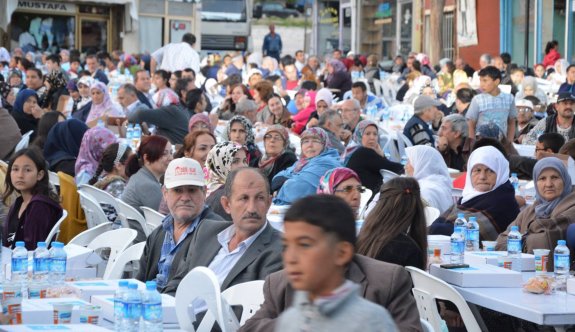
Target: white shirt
<point x="177" y="56"/>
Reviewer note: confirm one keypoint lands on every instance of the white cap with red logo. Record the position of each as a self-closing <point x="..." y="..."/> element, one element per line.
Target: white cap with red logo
<point x="184" y="172"/>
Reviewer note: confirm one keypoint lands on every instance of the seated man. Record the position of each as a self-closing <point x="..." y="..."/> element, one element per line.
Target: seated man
<point x="546" y="145"/>
<point x="386" y="284"/>
<point x="316" y="254"/>
<point x="185" y="193"/>
<point x="453" y="143"/>
<point x="417" y="129"/>
<point x="247" y="249"/>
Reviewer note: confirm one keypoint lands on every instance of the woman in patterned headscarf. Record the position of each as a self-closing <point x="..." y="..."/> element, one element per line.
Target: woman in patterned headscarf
<point x="302" y="178"/>
<point x="102" y="104"/>
<point x="222" y="159"/>
<point x="55" y="83"/>
<point x="342" y="182"/>
<point x="277" y="156"/>
<point x="240" y="131"/>
<point x="94" y="142"/>
<point x="338" y="79"/>
<point x="366" y="158"/>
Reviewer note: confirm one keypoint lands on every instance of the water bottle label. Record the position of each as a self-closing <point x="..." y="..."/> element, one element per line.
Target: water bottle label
<point x="561" y="262"/>
<point x="118" y="308"/>
<point x="20" y="265"/>
<point x="133" y="310"/>
<point x="58" y="265"/>
<point x="472" y="235"/>
<point x="514" y="245"/>
<point x="41" y="265"/>
<point x="457" y="247"/>
<point x="153" y="311"/>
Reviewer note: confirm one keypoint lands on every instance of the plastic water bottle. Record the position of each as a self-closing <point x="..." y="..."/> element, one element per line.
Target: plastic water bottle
<point x="472" y="235"/>
<point x="41" y="263"/>
<point x="404" y="160"/>
<point x="20" y="263"/>
<point x="130" y="134"/>
<point x="58" y="259"/>
<point x="561" y="262"/>
<point x="458" y="245"/>
<point x="515" y="182"/>
<point x="152" y="308"/>
<point x="119" y="304"/>
<point x="460" y="221"/>
<point x="137" y="135"/>
<point x="514" y="243"/>
<point x="132" y="309"/>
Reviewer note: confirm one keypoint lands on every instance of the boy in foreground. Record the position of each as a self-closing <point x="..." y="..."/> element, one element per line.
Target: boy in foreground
<point x="319" y="242"/>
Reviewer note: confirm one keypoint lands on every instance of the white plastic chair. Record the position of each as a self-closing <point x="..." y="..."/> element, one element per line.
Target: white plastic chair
<point x="54" y="179"/>
<point x="249" y="295"/>
<point x="84" y="238"/>
<point x="93" y="211"/>
<point x="365" y="196"/>
<point x="126" y="212"/>
<point x="427" y="327"/>
<point x="116" y="268"/>
<point x="53" y="235"/>
<point x="202" y="283"/>
<point x="427" y="288"/>
<point x="24" y="141"/>
<point x="99" y="195"/>
<point x="387" y="175"/>
<point x="456" y="193"/>
<point x="117" y="240"/>
<point x="153" y="218"/>
<point x="431" y="214"/>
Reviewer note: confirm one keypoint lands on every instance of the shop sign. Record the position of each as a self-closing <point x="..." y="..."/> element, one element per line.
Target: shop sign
<point x="383" y="14"/>
<point x="48" y="6"/>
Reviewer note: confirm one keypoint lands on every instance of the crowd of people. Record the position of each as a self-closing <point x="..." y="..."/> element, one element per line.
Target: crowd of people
<point x="227" y="138"/>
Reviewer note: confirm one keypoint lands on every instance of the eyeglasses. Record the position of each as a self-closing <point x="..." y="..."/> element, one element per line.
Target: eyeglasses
<point x="274" y="137"/>
<point x="200" y="125"/>
<point x="524" y="110"/>
<point x="350" y="188"/>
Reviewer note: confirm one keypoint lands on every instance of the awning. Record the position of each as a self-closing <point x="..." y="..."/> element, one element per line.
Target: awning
<point x="9" y="6"/>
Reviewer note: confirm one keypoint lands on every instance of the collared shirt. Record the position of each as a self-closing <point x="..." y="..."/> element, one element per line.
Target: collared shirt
<point x="225" y="260"/>
<point x="170" y="248"/>
<point x="485" y="108"/>
<point x="133" y="106"/>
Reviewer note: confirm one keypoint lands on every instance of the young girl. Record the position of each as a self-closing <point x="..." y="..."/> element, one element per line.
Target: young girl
<point x="113" y="164"/>
<point x="164" y="96"/>
<point x="36" y="210"/>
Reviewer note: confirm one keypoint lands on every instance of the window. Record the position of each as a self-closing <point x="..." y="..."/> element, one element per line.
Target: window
<point x="151" y="32"/>
<point x="38" y="32"/>
<point x="228" y="10"/>
<point x="448" y="26"/>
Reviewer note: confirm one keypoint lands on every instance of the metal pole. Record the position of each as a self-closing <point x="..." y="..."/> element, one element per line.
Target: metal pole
<point x="305" y="8"/>
<point x="526" y="60"/>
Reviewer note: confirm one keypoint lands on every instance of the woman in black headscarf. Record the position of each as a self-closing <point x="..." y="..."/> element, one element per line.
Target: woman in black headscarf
<point x="63" y="145"/>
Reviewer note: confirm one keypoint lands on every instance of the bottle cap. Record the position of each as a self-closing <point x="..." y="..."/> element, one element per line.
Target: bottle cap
<point x="41" y="245"/>
<point x="20" y="244"/>
<point x="561" y="242"/>
<point x="472" y="218"/>
<point x="514" y="174"/>
<point x="123" y="283"/>
<point x="461" y="215"/>
<point x="151" y="285"/>
<point x="133" y="286"/>
<point x="57" y="244"/>
<point x="514" y="228"/>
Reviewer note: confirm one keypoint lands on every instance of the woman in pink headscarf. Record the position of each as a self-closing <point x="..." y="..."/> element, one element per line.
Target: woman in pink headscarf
<point x="102" y="105"/>
<point x="94" y="142"/>
<point x="338" y="79"/>
<point x="301" y="118"/>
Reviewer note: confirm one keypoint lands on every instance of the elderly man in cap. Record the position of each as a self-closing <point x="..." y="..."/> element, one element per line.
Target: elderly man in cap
<point x="525" y="119"/>
<point x="561" y="122"/>
<point x="185" y="194"/>
<point x="417" y="129"/>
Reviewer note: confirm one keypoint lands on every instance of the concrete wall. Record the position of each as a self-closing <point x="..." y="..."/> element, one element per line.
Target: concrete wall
<point x="487" y="33"/>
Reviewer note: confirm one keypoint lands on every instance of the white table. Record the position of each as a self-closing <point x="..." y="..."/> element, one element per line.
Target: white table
<point x="555" y="310"/>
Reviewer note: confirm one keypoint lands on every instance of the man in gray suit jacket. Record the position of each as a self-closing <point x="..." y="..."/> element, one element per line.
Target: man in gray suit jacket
<point x="247" y="249"/>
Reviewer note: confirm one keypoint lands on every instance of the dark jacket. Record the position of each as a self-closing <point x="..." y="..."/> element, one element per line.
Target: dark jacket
<point x="404" y="251"/>
<point x="82" y="113"/>
<point x="418" y="132"/>
<point x="388" y="285"/>
<point x="260" y="259"/>
<point x="142" y="98"/>
<point x="153" y="249"/>
<point x="10" y="134"/>
<point x="170" y="121"/>
<point x="26" y="122"/>
<point x="551" y="126"/>
<point x="284" y="161"/>
<point x="367" y="164"/>
<point x="34" y="225"/>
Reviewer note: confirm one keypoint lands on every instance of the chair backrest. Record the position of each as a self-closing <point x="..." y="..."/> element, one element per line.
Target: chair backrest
<point x="84" y="238"/>
<point x="115" y="269"/>
<point x="387" y="175"/>
<point x="427" y="288"/>
<point x="427" y="327"/>
<point x="54" y="179"/>
<point x="365" y="196"/>
<point x="99" y="195"/>
<point x="249" y="295"/>
<point x="202" y="283"/>
<point x="431" y="214"/>
<point x="117" y="240"/>
<point x="53" y="235"/>
<point x="93" y="211"/>
<point x="127" y="211"/>
<point x="456" y="193"/>
<point x="153" y="217"/>
<point x="24" y="141"/>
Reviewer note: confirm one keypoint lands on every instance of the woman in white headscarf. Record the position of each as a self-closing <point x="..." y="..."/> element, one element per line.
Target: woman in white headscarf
<point x="488" y="195"/>
<point x="529" y="88"/>
<point x="427" y="166"/>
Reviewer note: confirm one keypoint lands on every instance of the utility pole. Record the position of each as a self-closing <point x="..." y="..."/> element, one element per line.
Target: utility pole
<point x="436" y="31"/>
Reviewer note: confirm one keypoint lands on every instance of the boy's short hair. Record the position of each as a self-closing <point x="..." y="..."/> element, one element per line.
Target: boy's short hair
<point x="492" y="72"/>
<point x="328" y="212"/>
<point x="553" y="141"/>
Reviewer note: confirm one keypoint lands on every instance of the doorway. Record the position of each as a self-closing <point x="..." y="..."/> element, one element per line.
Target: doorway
<point x="94" y="34"/>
